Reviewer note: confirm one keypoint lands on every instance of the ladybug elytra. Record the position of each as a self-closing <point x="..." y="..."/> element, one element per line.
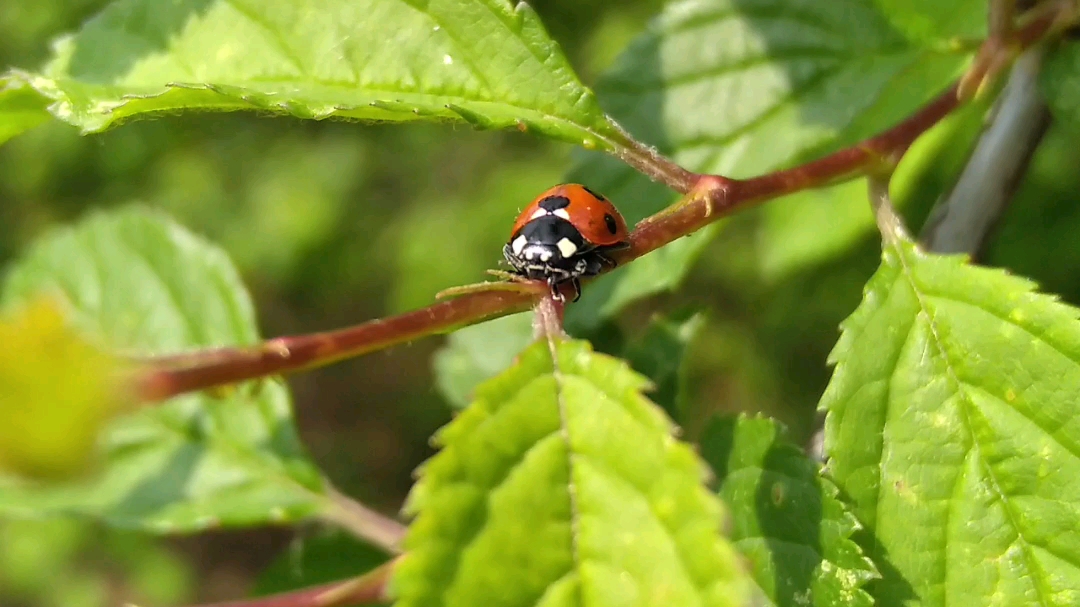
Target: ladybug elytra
<point x="565" y="234"/>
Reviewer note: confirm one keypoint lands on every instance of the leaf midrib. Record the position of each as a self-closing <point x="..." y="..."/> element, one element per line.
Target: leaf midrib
<point x="564" y="430"/>
<point x="977" y="448"/>
<point x="571" y="487"/>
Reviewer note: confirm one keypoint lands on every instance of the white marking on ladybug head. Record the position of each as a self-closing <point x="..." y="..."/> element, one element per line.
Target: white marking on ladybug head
<point x="561" y="213"/>
<point x="566" y="247"/>
<point x="534" y="252"/>
<point x="519" y="244"/>
<point x="539" y="213"/>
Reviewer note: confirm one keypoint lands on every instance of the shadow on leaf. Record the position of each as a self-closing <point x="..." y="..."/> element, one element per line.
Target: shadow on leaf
<point x="102" y="56"/>
<point x="787" y="520"/>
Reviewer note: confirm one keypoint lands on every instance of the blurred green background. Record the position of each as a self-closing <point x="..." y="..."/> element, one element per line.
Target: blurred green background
<point x="334" y="223"/>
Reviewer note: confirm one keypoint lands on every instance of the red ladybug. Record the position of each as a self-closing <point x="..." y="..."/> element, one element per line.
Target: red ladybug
<point x="566" y="233"/>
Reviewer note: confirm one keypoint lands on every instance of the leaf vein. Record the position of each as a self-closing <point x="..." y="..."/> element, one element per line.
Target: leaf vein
<point x="635" y="87"/>
<point x="1007" y="320"/>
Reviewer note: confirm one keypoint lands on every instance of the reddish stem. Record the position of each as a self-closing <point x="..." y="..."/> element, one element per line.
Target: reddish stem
<point x="220" y="366"/>
<point x="710" y="197"/>
<point x="716" y="196"/>
<point x="652" y="164"/>
<point x="364" y="523"/>
<point x="368" y="589"/>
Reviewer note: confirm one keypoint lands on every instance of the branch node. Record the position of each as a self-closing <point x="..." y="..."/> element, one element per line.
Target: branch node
<point x="712" y="189"/>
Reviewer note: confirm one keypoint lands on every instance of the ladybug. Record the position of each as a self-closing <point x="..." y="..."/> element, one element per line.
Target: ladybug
<point x="565" y="234"/>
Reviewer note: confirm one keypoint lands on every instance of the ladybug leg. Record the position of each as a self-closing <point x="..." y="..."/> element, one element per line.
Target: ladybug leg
<point x="577" y="288"/>
<point x="604" y="255"/>
<point x="592" y="265"/>
<point x="509" y="257"/>
<point x="553" y="284"/>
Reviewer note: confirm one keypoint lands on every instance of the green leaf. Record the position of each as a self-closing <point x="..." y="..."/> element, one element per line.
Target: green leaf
<point x="952" y="427"/>
<point x="143" y="285"/>
<point x="320" y="559"/>
<point x="744" y="87"/>
<point x="1060" y="83"/>
<point x="21" y="109"/>
<point x="77" y="563"/>
<point x="788" y="520"/>
<point x="934" y="21"/>
<point x="483" y="62"/>
<point x="659" y="355"/>
<point x="476" y="354"/>
<point x="561" y="485"/>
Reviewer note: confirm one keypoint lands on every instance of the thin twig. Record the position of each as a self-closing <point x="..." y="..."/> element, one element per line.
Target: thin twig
<point x="368" y="589"/>
<point x="654" y="165"/>
<point x="222" y="366"/>
<point x="995" y="53"/>
<point x="721" y="196"/>
<point x="364" y="523"/>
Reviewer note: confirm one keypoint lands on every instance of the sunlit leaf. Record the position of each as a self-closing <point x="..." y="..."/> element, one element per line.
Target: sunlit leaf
<point x="561" y="484"/>
<point x="144" y="285"/>
<point x="743" y="87"/>
<point x="787" y="519"/>
<point x="484" y="62"/>
<point x="953" y="427"/>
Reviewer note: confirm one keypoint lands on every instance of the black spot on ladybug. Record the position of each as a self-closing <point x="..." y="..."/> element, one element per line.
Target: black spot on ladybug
<point x="597" y="196"/>
<point x="554" y="203"/>
<point x="611" y="225"/>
